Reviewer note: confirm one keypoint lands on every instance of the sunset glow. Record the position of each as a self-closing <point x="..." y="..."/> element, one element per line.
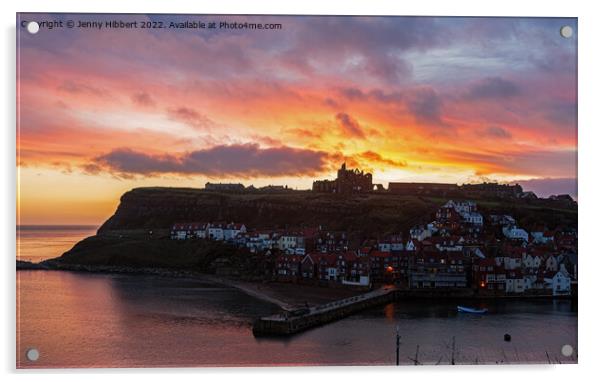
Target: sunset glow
<point x="453" y="100"/>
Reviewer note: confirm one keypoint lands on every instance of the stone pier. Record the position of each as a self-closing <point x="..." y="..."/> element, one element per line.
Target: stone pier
<point x="288" y="323"/>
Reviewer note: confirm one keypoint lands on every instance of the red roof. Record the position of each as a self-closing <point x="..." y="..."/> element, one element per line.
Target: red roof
<point x="310" y="232"/>
<point x="329" y="259"/>
<point x="349" y="256"/>
<point x="486" y="262"/>
<point x="314" y="257"/>
<point x="189" y="226"/>
<point x="365" y="250"/>
<point x="380" y="254"/>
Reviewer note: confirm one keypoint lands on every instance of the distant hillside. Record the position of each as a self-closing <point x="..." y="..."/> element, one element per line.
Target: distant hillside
<point x="137" y="234"/>
<point x="154" y="208"/>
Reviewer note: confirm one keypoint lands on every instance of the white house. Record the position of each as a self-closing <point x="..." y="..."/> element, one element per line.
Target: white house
<point x="542" y="237"/>
<point x="537" y="236"/>
<point x="515" y="233"/>
<point x="397" y="244"/>
<point x="258" y="241"/>
<point x="199" y="230"/>
<point x="472" y="218"/>
<point x="467" y="209"/>
<point x="531" y="261"/>
<point x="233" y="229"/>
<point x="179" y="231"/>
<point x="384" y="246"/>
<point x="511" y="263"/>
<point x="215" y="232"/>
<point x="182" y="231"/>
<point x="290" y="240"/>
<point x="420" y="233"/>
<point x="465" y="206"/>
<point x="561" y="282"/>
<point x="515" y="283"/>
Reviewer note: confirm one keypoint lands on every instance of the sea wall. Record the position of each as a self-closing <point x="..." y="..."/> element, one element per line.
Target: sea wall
<point x="287" y="324"/>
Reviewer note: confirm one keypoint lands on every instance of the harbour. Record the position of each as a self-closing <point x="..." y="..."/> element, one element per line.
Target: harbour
<point x="112" y="320"/>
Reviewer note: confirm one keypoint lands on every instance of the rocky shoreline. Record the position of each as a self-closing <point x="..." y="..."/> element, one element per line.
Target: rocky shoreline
<point x="53" y="265"/>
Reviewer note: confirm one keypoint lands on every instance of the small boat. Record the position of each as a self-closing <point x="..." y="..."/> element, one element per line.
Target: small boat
<point x="465" y="309"/>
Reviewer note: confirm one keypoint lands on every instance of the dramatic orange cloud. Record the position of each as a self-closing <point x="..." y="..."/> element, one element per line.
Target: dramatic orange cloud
<point x="102" y="111"/>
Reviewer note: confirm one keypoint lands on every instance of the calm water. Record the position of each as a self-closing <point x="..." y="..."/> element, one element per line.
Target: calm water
<point x="83" y="320"/>
<point x="94" y="320"/>
<point x="37" y="243"/>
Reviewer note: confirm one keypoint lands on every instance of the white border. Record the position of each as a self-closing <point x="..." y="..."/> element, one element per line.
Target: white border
<point x="590" y="197"/>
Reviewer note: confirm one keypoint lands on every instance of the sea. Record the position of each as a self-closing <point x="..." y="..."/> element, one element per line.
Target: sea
<point x="41" y="242"/>
<point x="80" y="320"/>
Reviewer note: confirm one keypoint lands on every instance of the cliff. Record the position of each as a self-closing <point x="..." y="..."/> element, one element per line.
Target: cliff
<point x="155" y="208"/>
<point x="137" y="235"/>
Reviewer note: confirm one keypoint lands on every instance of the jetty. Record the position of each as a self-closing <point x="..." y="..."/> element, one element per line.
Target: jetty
<point x="295" y="321"/>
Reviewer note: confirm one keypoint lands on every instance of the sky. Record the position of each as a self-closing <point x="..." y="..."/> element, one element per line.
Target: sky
<point x="428" y="99"/>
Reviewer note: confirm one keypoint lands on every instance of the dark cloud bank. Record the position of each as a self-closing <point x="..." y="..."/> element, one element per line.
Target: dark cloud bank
<point x="245" y="160"/>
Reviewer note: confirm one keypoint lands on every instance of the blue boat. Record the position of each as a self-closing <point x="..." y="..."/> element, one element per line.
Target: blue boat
<point x="465" y="309"/>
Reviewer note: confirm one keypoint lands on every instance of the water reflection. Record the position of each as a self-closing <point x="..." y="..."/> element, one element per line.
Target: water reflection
<point x="82" y="320"/>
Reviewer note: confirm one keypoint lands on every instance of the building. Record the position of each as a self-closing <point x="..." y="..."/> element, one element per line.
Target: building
<point x="448" y="216"/>
<point x="493" y="189"/>
<point x="543" y="236"/>
<point x="290" y="241"/>
<point x="439" y="189"/>
<point x="274" y="188"/>
<point x="347" y="182"/>
<point x="560" y="282"/>
<point x="215" y="231"/>
<point x="327" y="268"/>
<point x="179" y="231"/>
<point x="515" y="282"/>
<point x="224" y="187"/>
<point x="489" y="275"/>
<point x="232" y="230"/>
<point x="515" y="233"/>
<point x="563" y="197"/>
<point x="288" y="267"/>
<point x="420" y="233"/>
<point x="327" y="241"/>
<point x="353" y="270"/>
<point x="384" y="266"/>
<point x="310" y="266"/>
<point x="465" y="211"/>
<point x="183" y="231"/>
<point x="438" y="270"/>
